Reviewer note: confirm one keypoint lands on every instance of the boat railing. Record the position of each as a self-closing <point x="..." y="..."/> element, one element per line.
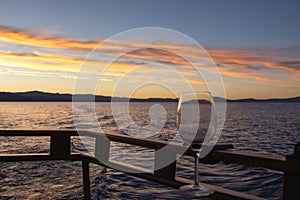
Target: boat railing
<point x="60" y="149"/>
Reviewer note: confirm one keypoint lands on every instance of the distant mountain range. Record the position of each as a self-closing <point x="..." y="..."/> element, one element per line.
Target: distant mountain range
<point x="293" y="99"/>
<point x="37" y="96"/>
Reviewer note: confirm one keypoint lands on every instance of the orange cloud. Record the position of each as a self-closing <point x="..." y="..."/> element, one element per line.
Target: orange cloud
<point x="19" y="36"/>
<point x="44" y="61"/>
<point x="252" y="64"/>
<point x="256" y="64"/>
<point x="37" y="56"/>
<point x="195" y="81"/>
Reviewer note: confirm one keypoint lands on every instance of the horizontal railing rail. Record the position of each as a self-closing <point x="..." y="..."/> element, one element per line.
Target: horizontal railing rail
<point x="60" y="149"/>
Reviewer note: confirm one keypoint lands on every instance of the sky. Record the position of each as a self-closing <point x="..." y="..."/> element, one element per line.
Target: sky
<point x="254" y="44"/>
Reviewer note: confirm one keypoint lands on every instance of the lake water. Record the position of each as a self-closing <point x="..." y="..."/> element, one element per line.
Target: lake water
<point x="256" y="127"/>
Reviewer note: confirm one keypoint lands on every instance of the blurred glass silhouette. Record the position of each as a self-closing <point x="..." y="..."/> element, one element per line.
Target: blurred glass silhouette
<point x="196" y="124"/>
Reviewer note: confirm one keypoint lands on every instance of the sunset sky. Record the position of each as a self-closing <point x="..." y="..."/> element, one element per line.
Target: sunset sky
<point x="255" y="44"/>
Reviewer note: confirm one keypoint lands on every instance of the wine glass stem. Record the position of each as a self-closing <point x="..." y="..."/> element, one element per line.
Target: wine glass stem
<point x="196" y="179"/>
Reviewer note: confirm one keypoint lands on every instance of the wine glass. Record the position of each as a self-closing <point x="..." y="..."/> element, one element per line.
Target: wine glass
<point x="196" y="124"/>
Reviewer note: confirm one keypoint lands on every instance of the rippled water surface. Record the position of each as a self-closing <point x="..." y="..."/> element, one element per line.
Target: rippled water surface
<point x="259" y="127"/>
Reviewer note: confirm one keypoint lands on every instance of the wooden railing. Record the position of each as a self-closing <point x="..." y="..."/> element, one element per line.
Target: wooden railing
<point x="60" y="150"/>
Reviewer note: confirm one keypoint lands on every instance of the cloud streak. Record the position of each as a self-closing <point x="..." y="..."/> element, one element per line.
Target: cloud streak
<point x="259" y="65"/>
<point x="20" y="36"/>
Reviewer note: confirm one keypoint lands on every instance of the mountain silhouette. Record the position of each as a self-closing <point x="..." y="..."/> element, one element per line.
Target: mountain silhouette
<point x="38" y="96"/>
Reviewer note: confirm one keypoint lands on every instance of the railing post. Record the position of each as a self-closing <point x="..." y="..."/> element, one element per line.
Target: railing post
<point x="161" y="158"/>
<point x="86" y="179"/>
<point x="102" y="155"/>
<point x="102" y="149"/>
<point x="60" y="146"/>
<point x="291" y="180"/>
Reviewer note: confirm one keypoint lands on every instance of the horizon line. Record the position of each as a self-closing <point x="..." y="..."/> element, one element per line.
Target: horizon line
<point x="58" y="93"/>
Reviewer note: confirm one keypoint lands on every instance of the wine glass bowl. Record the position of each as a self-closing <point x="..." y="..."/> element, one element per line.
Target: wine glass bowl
<point x="196" y="124"/>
